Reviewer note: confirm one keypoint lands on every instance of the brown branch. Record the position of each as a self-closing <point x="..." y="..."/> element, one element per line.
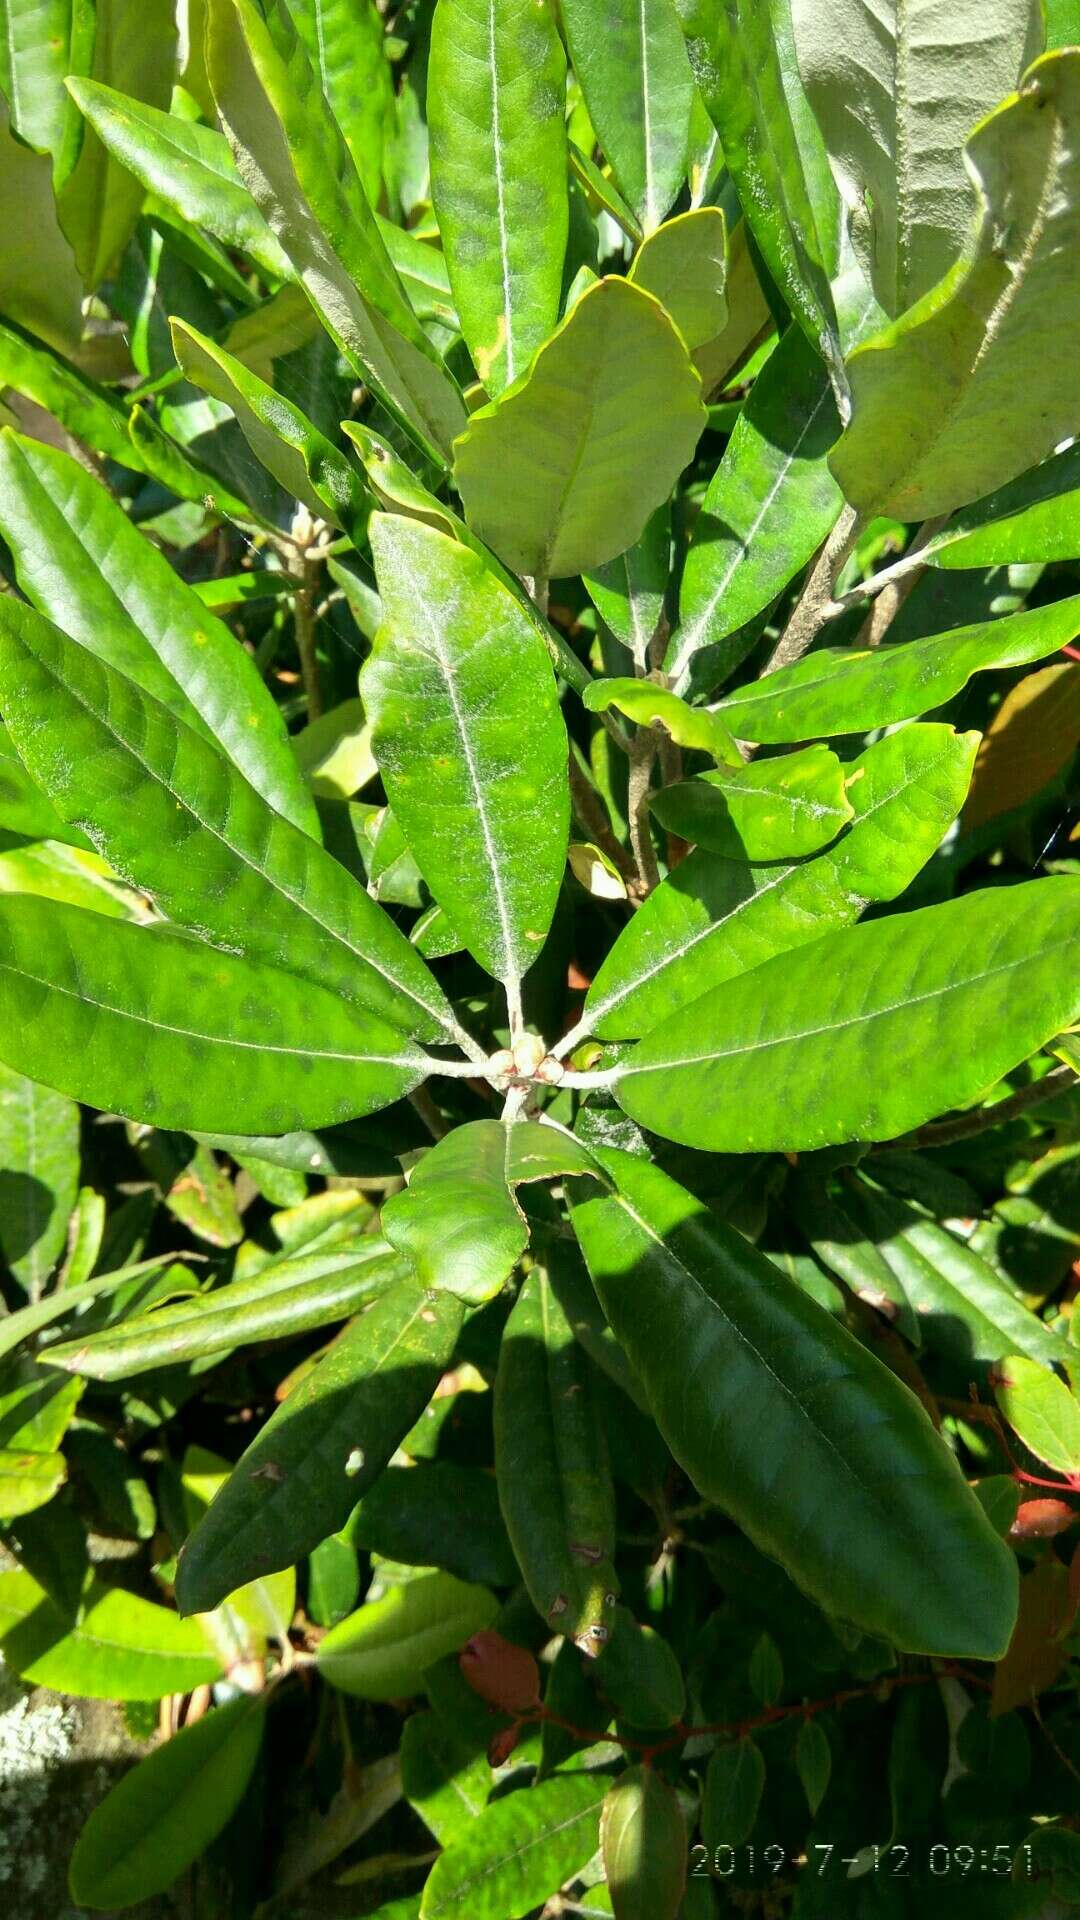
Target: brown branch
<point x="815" y="604"/>
<point x="941" y="1133"/>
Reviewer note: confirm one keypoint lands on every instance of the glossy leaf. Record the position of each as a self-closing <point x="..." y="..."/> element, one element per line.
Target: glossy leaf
<point x="934" y="424"/>
<point x="295" y="162"/>
<point x="383" y="1651"/>
<point x="413" y="1515"/>
<point x="288" y="1297"/>
<point x="279" y="433"/>
<point x="87" y="410"/>
<point x="24" y="809"/>
<point x="551" y="1461"/>
<point x="167" y="807"/>
<point x="768" y="507"/>
<point x="458" y="1222"/>
<point x="713" y="919"/>
<point x="80" y="561"/>
<point x="328" y="1441"/>
<point x="166" y="1810"/>
<point x="39" y="44"/>
<point x="186" y="165"/>
<point x="561" y="472"/>
<point x="643" y="1843"/>
<point x="120" y="1648"/>
<point x="684" y="264"/>
<point x="470" y="742"/>
<point x="497" y="85"/>
<point x="40" y="284"/>
<point x="1030" y="739"/>
<point x="849" y="690"/>
<point x="648" y="704"/>
<point x="1031" y="518"/>
<point x="896" y="94"/>
<point x="346" y="43"/>
<point x="746" y="1375"/>
<point x="788" y="1056"/>
<point x="634" y="74"/>
<point x="734" y="1784"/>
<point x="775" y="809"/>
<point x="628" y="592"/>
<point x="148" y="1023"/>
<point x="733" y="53"/>
<point x="518" y="1852"/>
<point x="1040" y="1408"/>
<point x="39" y="1177"/>
<point x="28" y="1480"/>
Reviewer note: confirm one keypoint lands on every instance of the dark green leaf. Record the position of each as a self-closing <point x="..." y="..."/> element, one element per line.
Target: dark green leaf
<point x="519" y="1851"/>
<point x="39" y="1177"/>
<point x="414" y="1515"/>
<point x="734" y="1783"/>
<point x="643" y="1843"/>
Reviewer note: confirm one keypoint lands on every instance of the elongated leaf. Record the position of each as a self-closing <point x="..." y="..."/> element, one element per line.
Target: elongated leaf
<point x="288" y="1297"/>
<point x="641" y="1675"/>
<point x="86" y="409"/>
<point x="134" y="43"/>
<point x="782" y="1419"/>
<point x="734" y="56"/>
<point x="1042" y="1410"/>
<point x="292" y="157"/>
<point x="497" y="85"/>
<point x="279" y="433"/>
<point x="712" y="919"/>
<point x="561" y="472"/>
<point x="188" y="166"/>
<point x="444" y="1778"/>
<point x="458" y="1221"/>
<point x="934" y="422"/>
<point x="148" y="1023"/>
<point x="28" y="1480"/>
<point x="645" y="702"/>
<point x="734" y="1783"/>
<point x="790" y="1054"/>
<point x="346" y="40"/>
<point x="414" y="1515"/>
<point x="519" y="1851"/>
<point x="769" y="505"/>
<point x="39" y="1177"/>
<point x="169" y="808"/>
<point x="555" y="1484"/>
<point x="40" y="285"/>
<point x="1032" y="518"/>
<point x="121" y="1648"/>
<point x="333" y="1435"/>
<point x="769" y="810"/>
<point x="634" y="74"/>
<point x="383" y="1651"/>
<point x="39" y="44"/>
<point x="643" y="1842"/>
<point x="79" y="560"/>
<point x="849" y="690"/>
<point x="628" y="592"/>
<point x="470" y="742"/>
<point x="165" y="1812"/>
<point x="896" y="94"/>
<point x="684" y="264"/>
<point x="24" y="809"/>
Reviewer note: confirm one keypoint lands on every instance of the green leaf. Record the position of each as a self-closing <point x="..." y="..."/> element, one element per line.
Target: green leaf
<point x="555" y="1484"/>
<point x="632" y="67"/>
<point x="643" y="1843"/>
<point x="278" y="432"/>
<point x="39" y="1177"/>
<point x="628" y="592"/>
<point x="333" y="1582"/>
<point x="851" y="689"/>
<point x="713" y="919"/>
<point x="813" y="1759"/>
<point x="645" y="702"/>
<point x="26" y="1321"/>
<point x="1041" y="1410"/>
<point x="1062" y="23"/>
<point x="24" y="809"/>
<point x="733" y="53"/>
<point x="734" y="1783"/>
<point x="39" y="44"/>
<point x="458" y="1222"/>
<point x="496" y="101"/>
<point x="288" y="1297"/>
<point x="121" y="1647"/>
<point x="935" y="422"/>
<point x="561" y="472"/>
<point x="187" y="166"/>
<point x="470" y="742"/>
<point x="518" y="1851"/>
<point x="789" y="1055"/>
<point x="134" y="51"/>
<point x="414" y="1515"/>
<point x="164" y="1813"/>
<point x="80" y="561"/>
<point x="769" y="810"/>
<point x="28" y="1480"/>
<point x="327" y="1442"/>
<point x="767" y="509"/>
<point x="684" y="265"/>
<point x="148" y="1023"/>
<point x="166" y="806"/>
<point x="896" y="94"/>
<point x="346" y="43"/>
<point x="40" y="285"/>
<point x="294" y="160"/>
<point x="1032" y="518"/>
<point x="36" y="1408"/>
<point x="792" y="1427"/>
<point x="639" y="1672"/>
<point x="383" y="1651"/>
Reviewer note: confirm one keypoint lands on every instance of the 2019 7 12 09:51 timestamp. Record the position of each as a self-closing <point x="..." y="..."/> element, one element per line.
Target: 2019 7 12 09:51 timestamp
<point x="941" y="1860"/>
